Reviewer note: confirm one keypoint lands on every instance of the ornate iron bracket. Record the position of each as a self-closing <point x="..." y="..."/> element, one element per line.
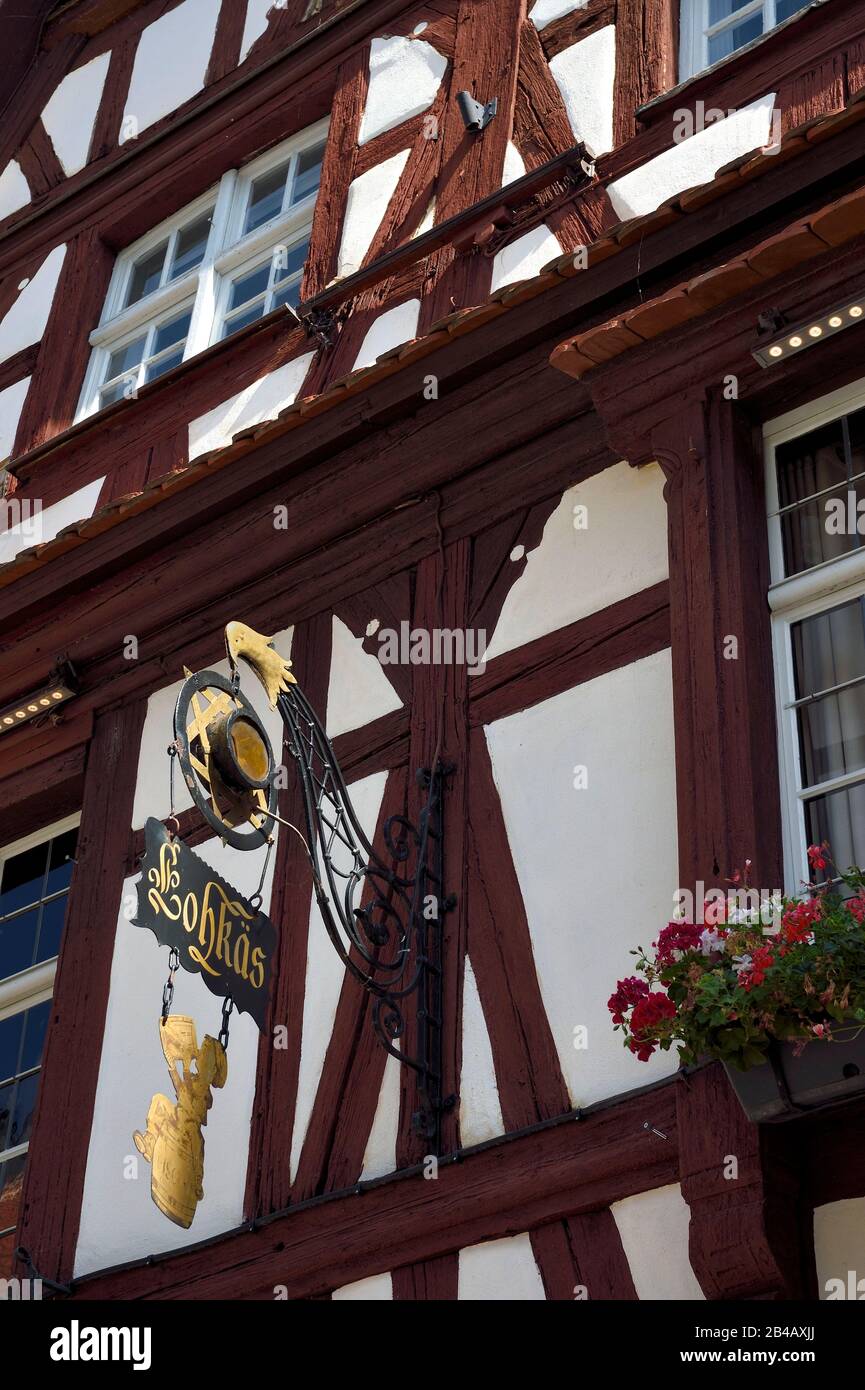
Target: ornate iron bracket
<point x="390" y="943"/>
<point x="320" y="324"/>
<point x="385" y="919"/>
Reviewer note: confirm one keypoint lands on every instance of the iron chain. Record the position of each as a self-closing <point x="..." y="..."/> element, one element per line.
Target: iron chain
<point x="227" y="1006"/>
<point x="168" y="987"/>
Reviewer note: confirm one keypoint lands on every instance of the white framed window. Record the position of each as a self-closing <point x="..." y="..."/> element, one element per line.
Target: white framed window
<point x="35" y="873"/>
<point x="225" y="260"/>
<point x="712" y="29"/>
<point x="815" y="473"/>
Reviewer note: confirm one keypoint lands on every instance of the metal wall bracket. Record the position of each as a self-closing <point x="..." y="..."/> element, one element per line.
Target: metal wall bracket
<point x="475" y="115"/>
<point x="385" y="923"/>
<point x="320" y="324"/>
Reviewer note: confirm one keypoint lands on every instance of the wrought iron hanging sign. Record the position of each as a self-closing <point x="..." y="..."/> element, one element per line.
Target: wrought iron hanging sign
<point x="383" y="918"/>
<point x="216" y="932"/>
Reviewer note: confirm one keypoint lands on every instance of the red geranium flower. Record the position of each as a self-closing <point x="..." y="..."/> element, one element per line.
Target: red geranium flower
<point x="628" y="992"/>
<point x="676" y="936"/>
<point x="649" y="1013"/>
<point x="797" y="922"/>
<point x="761" y="960"/>
<point x="856" y="907"/>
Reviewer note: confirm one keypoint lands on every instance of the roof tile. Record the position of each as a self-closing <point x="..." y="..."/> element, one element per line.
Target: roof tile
<point x="606" y="341"/>
<point x="660" y="315"/>
<point x="789" y="248"/>
<point x="716" y="286"/>
<point x="842" y="221"/>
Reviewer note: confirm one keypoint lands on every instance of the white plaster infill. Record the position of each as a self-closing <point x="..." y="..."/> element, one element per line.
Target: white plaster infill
<point x="514" y="167"/>
<point x="500" y="1271"/>
<point x="543" y="12"/>
<point x="480" y="1106"/>
<point x="39" y="525"/>
<point x="368" y="197"/>
<point x="585" y="74"/>
<point x="255" y="24"/>
<point x="25" y="321"/>
<point x="653" y="1227"/>
<point x="404" y="77"/>
<point x="12" y="400"/>
<point x="694" y="161"/>
<point x="394" y="326"/>
<point x="70" y="114"/>
<point x="262" y="400"/>
<point x="525" y="257"/>
<point x="170" y="63"/>
<point x="14" y="189"/>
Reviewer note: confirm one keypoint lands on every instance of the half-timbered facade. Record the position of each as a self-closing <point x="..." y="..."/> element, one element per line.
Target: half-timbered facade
<point x="285" y="339"/>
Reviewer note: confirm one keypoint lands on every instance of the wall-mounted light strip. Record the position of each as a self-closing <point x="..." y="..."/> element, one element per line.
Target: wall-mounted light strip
<point x="795" y="340"/>
<point x="40" y="702"/>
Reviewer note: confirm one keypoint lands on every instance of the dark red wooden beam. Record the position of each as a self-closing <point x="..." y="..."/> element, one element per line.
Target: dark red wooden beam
<point x="54" y="1177"/>
<point x="508" y="1185"/>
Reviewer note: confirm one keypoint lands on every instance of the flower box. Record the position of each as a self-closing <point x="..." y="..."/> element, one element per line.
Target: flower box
<point x="788" y="1085"/>
<point x="773" y="987"/>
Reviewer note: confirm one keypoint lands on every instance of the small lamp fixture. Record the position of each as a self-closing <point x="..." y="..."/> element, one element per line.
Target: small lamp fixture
<point x="41" y="702"/>
<point x="807" y="334"/>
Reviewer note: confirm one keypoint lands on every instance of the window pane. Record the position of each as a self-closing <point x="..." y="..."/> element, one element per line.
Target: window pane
<point x="7" y="1102"/>
<point x="11" y="1185"/>
<point x="811" y="463"/>
<point x="289" y="263"/>
<point x="109" y="394"/>
<point x="828" y="650"/>
<point x="233" y="325"/>
<point x="24" y="1109"/>
<point x="34" y="1035"/>
<point x="839" y="818"/>
<point x="172" y="332"/>
<point x="784" y="8"/>
<point x="265" y="198"/>
<point x="308" y="173"/>
<point x="11" y="1030"/>
<point x="813" y="533"/>
<point x="125" y="358"/>
<point x="63" y="849"/>
<point x="21" y="879"/>
<point x="288" y="293"/>
<point x="51" y="929"/>
<point x="856" y="434"/>
<point x="163" y="365"/>
<point x="249" y="285"/>
<point x="722" y="9"/>
<point x="735" y="37"/>
<point x="17" y="942"/>
<point x="191" y="245"/>
<point x="832" y="735"/>
<point x="146" y="274"/>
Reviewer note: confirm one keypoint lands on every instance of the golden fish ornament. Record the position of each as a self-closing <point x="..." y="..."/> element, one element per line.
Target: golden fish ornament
<point x="273" y="670"/>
